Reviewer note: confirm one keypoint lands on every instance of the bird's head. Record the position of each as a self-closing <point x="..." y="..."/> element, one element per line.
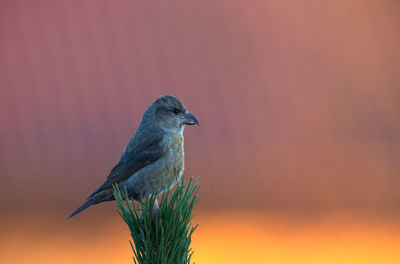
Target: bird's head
<point x="171" y="114"/>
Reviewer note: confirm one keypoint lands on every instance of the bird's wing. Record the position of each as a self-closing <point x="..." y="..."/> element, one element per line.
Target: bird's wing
<point x="143" y="149"/>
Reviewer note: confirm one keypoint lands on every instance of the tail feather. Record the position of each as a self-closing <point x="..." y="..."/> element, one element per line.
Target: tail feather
<point x="105" y="195"/>
<point x="81" y="208"/>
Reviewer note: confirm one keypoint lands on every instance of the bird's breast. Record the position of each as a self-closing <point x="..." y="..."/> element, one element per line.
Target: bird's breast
<point x="173" y="144"/>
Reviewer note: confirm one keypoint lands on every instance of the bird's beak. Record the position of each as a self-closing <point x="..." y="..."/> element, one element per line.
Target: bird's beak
<point x="190" y="119"/>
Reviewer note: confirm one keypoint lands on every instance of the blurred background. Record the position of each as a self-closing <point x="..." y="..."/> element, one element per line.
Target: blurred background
<point x="299" y="105"/>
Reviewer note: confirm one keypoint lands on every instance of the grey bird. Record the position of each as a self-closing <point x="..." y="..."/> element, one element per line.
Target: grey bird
<point x="153" y="159"/>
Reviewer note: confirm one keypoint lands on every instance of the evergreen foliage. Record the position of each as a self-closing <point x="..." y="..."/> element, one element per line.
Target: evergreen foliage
<point x="162" y="237"/>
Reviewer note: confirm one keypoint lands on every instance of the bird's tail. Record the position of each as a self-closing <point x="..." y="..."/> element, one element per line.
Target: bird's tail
<point x="105" y="195"/>
<point x="81" y="208"/>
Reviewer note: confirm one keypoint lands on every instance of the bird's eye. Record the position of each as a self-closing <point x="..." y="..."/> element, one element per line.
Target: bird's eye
<point x="176" y="111"/>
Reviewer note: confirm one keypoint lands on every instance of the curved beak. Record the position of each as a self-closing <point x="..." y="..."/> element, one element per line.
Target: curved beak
<point x="190" y="119"/>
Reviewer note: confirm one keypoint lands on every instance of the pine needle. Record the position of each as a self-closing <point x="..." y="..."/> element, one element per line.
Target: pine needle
<point x="163" y="237"/>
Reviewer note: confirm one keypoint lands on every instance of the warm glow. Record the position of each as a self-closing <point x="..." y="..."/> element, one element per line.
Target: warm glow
<point x="298" y="103"/>
<point x="230" y="237"/>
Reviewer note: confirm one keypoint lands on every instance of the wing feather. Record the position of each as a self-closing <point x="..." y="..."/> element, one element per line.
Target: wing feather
<point x="142" y="150"/>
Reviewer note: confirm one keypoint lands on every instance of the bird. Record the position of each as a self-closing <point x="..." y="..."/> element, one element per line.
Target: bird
<point x="153" y="159"/>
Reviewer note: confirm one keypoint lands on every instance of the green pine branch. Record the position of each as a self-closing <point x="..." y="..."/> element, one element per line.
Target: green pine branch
<point x="163" y="237"/>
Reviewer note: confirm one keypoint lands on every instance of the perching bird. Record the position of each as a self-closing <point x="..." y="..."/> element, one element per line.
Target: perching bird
<point x="153" y="158"/>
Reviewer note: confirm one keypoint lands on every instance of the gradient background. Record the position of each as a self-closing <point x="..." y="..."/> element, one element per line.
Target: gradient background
<point x="299" y="105"/>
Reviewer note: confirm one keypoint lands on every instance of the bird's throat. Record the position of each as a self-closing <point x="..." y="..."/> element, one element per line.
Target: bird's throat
<point x="178" y="139"/>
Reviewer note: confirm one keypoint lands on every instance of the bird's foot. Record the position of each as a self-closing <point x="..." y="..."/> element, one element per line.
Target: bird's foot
<point x="156" y="209"/>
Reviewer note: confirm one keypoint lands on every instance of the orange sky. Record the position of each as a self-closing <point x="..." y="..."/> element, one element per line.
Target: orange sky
<point x="222" y="237"/>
